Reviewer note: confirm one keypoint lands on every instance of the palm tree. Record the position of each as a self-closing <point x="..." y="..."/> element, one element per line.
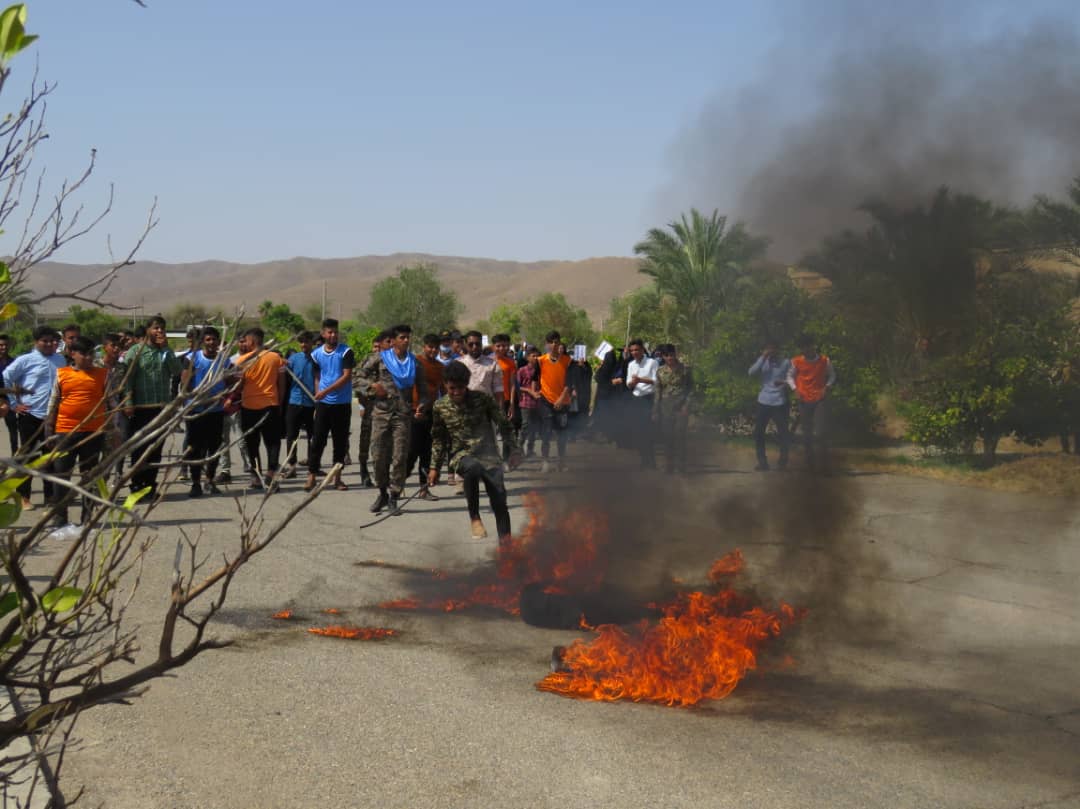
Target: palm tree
<point x="698" y="263"/>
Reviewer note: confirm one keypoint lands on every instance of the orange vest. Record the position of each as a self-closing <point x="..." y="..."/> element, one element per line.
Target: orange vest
<point x="509" y="369"/>
<point x="810" y="377"/>
<point x="82" y="399"/>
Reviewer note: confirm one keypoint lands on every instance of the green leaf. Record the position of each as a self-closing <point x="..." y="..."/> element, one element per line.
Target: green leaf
<point x="5" y="273"/>
<point x="61" y="599"/>
<point x="103" y="488"/>
<point x="132" y="499"/>
<point x="8" y="603"/>
<point x="9" y="485"/>
<point x="9" y="310"/>
<point x="10" y="510"/>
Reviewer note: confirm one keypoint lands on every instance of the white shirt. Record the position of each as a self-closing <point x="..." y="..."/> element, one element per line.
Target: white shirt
<point x="485" y="375"/>
<point x="646" y="369"/>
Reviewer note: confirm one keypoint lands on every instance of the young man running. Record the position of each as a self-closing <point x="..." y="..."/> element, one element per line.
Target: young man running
<point x="463" y="435"/>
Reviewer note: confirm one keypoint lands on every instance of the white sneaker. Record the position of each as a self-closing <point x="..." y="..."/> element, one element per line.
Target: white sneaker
<point x="545" y="467"/>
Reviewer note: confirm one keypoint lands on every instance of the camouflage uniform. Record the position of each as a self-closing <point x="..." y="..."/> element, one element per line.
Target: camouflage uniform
<point x="464" y="436"/>
<point x="391" y="421"/>
<point x="670" y="403"/>
<point x="365" y="418"/>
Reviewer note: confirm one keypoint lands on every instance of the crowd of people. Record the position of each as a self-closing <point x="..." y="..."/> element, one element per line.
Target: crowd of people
<point x="459" y="404"/>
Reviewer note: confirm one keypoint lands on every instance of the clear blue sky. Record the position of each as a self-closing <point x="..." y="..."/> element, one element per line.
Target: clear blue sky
<point x="344" y="127"/>
<point x="270" y="129"/>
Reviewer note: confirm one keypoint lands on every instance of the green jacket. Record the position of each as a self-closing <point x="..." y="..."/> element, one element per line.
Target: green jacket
<point x="466" y="430"/>
<point x="149" y="382"/>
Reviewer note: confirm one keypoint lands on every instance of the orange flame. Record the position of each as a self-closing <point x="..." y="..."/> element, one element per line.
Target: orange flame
<point x="353" y="632"/>
<point x="569" y="562"/>
<point x="284" y="615"/>
<point x="331" y="611"/>
<point x="727" y="565"/>
<point x="700" y="648"/>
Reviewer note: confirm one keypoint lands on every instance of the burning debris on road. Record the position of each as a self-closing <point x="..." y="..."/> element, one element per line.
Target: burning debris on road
<point x="353" y="632"/>
<point x="688" y="646"/>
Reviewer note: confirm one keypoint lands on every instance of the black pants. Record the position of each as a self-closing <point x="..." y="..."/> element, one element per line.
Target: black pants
<point x="472" y="473"/>
<point x="420" y="449"/>
<point x="264" y="423"/>
<point x="812" y="423"/>
<point x="145" y="475"/>
<point x="31" y="435"/>
<point x="83" y="449"/>
<point x="297" y="417"/>
<point x="639" y="409"/>
<point x="551" y="420"/>
<point x="778" y="415"/>
<point x="12" y="422"/>
<point x="204" y="441"/>
<point x="330" y="420"/>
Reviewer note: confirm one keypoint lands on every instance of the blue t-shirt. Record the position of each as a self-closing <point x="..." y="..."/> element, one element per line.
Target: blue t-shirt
<point x="304" y="370"/>
<point x="37" y="373"/>
<point x="332" y="364"/>
<point x="203" y="365"/>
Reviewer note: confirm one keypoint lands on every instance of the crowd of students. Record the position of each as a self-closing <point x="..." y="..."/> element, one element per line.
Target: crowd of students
<point x="458" y="404"/>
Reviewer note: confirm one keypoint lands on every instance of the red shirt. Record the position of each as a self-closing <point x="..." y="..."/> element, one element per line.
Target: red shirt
<point x="810" y="377"/>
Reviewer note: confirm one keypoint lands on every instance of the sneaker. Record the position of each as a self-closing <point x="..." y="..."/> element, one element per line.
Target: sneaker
<point x="347" y="460"/>
<point x="426" y="494"/>
<point x="290" y="472"/>
<point x="478" y="530"/>
<point x="223" y="477"/>
<point x="380" y="502"/>
<point x="392" y="504"/>
<point x="367" y="483"/>
<point x="196" y="490"/>
<point x="212" y="488"/>
<point x="545" y="467"/>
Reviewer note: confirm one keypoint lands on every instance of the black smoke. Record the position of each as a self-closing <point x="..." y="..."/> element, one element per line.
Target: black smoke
<point x="865" y="102"/>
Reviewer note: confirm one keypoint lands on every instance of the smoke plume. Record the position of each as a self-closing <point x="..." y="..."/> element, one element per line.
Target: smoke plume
<point x="863" y="101"/>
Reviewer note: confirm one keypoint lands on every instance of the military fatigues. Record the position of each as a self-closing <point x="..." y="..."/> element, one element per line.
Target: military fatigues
<point x="391" y="421"/>
<point x="364" y="450"/>
<point x="463" y="435"/>
<point x="670" y="405"/>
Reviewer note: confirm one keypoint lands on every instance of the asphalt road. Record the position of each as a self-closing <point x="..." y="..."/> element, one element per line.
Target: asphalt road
<point x="939" y="665"/>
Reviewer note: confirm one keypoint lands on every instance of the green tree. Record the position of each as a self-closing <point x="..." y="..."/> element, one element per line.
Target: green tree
<point x="552" y="311"/>
<point x="193" y="314"/>
<point x="644" y="312"/>
<point x="94" y="323"/>
<point x="1003" y="382"/>
<point x="279" y="321"/>
<point x="414" y="296"/>
<point x="506" y="318"/>
<point x="699" y="262"/>
<point x="910" y="279"/>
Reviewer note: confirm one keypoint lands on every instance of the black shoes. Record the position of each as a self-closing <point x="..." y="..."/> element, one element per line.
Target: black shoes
<point x="196" y="490"/>
<point x="381" y="502"/>
<point x="392" y="504"/>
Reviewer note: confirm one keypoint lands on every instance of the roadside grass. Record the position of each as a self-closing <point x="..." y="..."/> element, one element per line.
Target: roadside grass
<point x="1019" y="468"/>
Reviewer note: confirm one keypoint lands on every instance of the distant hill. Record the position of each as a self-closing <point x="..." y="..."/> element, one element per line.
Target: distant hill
<point x="481" y="283"/>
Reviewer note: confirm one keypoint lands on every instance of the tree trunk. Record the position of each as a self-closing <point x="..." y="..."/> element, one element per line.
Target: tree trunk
<point x="990" y="443"/>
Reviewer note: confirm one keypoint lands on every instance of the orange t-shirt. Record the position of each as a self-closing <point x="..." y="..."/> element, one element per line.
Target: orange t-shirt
<point x="509" y="369"/>
<point x="82" y="399"/>
<point x="810" y="377"/>
<point x="553" y="377"/>
<point x="432" y="370"/>
<point x="261" y="380"/>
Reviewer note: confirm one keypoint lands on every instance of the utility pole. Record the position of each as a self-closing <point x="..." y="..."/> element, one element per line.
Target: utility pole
<point x="629" y="310"/>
